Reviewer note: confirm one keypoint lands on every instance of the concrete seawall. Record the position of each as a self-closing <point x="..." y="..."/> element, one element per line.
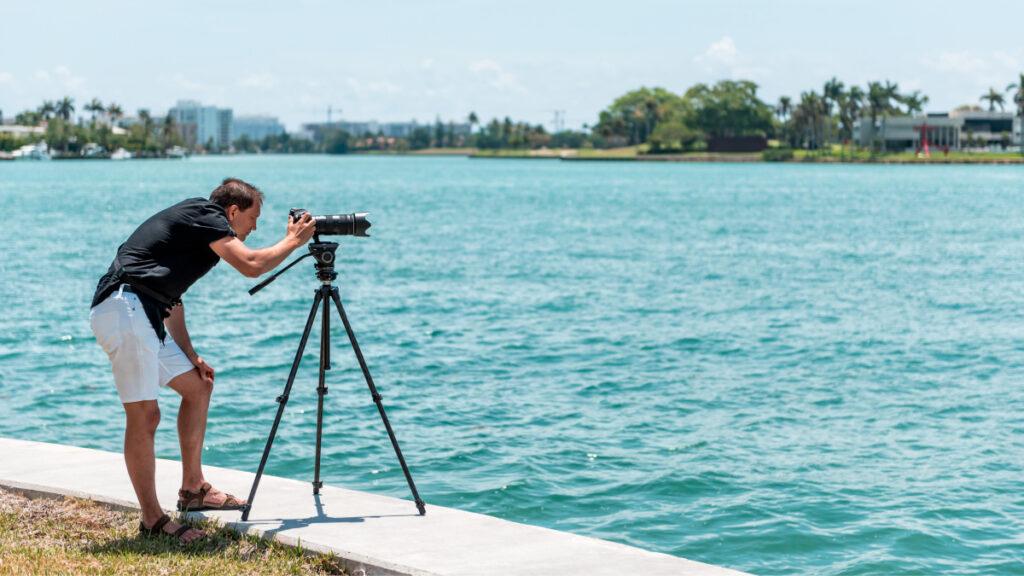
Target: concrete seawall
<point x="372" y="534"/>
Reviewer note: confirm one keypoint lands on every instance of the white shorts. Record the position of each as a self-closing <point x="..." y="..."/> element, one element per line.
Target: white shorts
<point x="141" y="363"/>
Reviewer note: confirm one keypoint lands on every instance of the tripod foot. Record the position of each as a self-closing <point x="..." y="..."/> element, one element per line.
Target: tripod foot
<point x="317" y="486"/>
<point x="421" y="507"/>
<point x="245" y="513"/>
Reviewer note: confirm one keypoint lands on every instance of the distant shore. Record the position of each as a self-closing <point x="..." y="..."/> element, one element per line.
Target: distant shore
<point x="634" y="154"/>
<point x="637" y="154"/>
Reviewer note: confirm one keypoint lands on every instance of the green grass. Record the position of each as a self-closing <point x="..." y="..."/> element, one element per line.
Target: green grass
<point x="71" y="536"/>
<point x="840" y="154"/>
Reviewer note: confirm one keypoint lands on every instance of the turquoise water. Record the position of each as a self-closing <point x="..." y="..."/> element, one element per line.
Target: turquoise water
<point x="780" y="369"/>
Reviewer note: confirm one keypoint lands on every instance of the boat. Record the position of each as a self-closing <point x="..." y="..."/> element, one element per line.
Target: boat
<point x="37" y="151"/>
<point x="176" y="152"/>
<point x="121" y="154"/>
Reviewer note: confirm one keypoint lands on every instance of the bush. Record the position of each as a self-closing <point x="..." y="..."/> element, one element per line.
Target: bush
<point x="777" y="154"/>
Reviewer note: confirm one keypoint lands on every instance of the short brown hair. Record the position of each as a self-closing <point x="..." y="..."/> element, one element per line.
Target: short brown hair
<point x="237" y="192"/>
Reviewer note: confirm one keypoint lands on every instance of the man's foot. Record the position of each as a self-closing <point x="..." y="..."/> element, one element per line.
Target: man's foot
<point x="167" y="527"/>
<point x="207" y="498"/>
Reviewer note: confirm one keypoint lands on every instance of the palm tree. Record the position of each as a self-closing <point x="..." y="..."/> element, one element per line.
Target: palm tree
<point x="1017" y="90"/>
<point x="169" y="132"/>
<point x="65" y="108"/>
<point x="915" y="101"/>
<point x="46" y="109"/>
<point x="147" y="125"/>
<point x="783" y="110"/>
<point x="993" y="99"/>
<point x="115" y="112"/>
<point x="892" y="91"/>
<point x="851" y="104"/>
<point x="784" y="107"/>
<point x="95" y="107"/>
<point x="473" y="120"/>
<point x="808" y="119"/>
<point x="831" y="92"/>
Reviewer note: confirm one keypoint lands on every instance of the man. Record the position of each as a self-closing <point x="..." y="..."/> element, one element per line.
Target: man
<point x="138" y="304"/>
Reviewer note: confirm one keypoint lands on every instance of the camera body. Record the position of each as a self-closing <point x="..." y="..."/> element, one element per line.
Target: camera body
<point x="351" y="224"/>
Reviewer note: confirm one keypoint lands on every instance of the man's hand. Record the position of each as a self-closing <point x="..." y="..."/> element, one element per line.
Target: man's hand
<point x="205" y="370"/>
<point x="301" y="230"/>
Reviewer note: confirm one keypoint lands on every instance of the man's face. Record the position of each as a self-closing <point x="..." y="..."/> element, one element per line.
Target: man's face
<point x="243" y="221"/>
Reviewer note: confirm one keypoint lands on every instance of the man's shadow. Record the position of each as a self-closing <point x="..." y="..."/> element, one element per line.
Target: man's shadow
<point x="221" y="534"/>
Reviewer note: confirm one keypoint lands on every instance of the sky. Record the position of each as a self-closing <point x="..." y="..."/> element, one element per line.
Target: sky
<point x="404" y="60"/>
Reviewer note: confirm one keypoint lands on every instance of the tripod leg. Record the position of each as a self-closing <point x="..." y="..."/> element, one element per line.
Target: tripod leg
<point x="321" y="390"/>
<point x="377" y="400"/>
<point x="281" y="401"/>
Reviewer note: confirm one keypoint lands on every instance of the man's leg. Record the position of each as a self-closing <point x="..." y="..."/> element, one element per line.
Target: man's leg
<point x="195" y="404"/>
<point x="140" y="430"/>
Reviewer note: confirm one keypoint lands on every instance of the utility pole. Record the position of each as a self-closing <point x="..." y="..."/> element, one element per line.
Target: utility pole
<point x="558" y="121"/>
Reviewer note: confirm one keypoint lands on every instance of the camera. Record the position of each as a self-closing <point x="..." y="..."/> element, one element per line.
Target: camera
<point x="352" y="224"/>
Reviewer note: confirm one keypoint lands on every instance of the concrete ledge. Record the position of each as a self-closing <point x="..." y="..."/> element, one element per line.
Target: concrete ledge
<point x="374" y="535"/>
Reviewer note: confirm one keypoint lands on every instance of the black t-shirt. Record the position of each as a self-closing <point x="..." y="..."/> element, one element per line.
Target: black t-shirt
<point x="165" y="255"/>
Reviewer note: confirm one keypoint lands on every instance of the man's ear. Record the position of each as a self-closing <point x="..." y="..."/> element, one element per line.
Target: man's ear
<point x="232" y="211"/>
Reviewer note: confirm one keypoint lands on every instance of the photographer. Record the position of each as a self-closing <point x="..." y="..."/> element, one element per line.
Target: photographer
<point x="138" y="304"/>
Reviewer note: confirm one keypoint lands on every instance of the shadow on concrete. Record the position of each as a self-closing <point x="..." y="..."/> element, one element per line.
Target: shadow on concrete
<point x="284" y="524"/>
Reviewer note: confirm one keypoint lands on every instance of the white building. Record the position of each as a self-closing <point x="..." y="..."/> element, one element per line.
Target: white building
<point x="206" y="126"/>
<point x="955" y="130"/>
<point x="256" y="127"/>
<point x="389" y="129"/>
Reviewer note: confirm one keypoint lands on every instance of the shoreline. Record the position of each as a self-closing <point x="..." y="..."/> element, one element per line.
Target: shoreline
<point x="365" y="532"/>
<point x="613" y="155"/>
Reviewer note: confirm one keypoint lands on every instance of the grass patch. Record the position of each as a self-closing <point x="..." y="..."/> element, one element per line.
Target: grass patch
<point x="71" y="536"/>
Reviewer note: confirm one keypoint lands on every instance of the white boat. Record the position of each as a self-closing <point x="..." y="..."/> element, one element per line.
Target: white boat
<point x="121" y="154"/>
<point x="37" y="151"/>
<point x="176" y="152"/>
<point x="92" y="150"/>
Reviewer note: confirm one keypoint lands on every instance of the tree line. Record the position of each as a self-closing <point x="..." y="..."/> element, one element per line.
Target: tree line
<point x="726" y="113"/>
<point x="669" y="122"/>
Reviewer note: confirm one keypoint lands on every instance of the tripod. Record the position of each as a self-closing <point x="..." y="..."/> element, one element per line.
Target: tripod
<point x="324" y="254"/>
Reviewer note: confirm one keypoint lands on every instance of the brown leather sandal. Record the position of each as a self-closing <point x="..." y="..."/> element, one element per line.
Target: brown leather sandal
<point x="196" y="501"/>
<point x="157" y="529"/>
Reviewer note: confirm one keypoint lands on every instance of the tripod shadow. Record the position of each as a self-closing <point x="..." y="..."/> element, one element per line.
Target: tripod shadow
<point x="320" y="518"/>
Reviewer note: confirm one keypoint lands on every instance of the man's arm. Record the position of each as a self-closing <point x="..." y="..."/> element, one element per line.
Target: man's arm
<point x="175" y="324"/>
<point x="252" y="263"/>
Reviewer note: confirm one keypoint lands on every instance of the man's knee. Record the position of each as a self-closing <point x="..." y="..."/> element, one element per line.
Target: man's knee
<point x="143" y="416"/>
<point x="192" y="386"/>
<point x="202" y="389"/>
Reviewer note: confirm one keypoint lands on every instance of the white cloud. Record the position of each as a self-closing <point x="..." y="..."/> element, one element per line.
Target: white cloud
<point x="957" y="62"/>
<point x="723" y="59"/>
<point x="426" y="63"/>
<point x="997" y="64"/>
<point x="180" y="81"/>
<point x="66" y="79"/>
<point x="61" y="76"/>
<point x="262" y="81"/>
<point x="496" y="76"/>
<point x="6" y="78"/>
<point x="721" y="52"/>
<point x="363" y="88"/>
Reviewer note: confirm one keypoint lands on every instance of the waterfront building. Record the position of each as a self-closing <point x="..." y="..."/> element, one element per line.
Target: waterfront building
<point x="206" y="126"/>
<point x="315" y="130"/>
<point x="256" y="127"/>
<point x="956" y="130"/>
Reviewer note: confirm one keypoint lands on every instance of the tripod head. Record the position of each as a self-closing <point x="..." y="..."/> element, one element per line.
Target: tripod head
<point x="322" y="252"/>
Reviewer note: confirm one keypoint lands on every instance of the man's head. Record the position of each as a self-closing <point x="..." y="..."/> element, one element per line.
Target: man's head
<point x="241" y="202"/>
